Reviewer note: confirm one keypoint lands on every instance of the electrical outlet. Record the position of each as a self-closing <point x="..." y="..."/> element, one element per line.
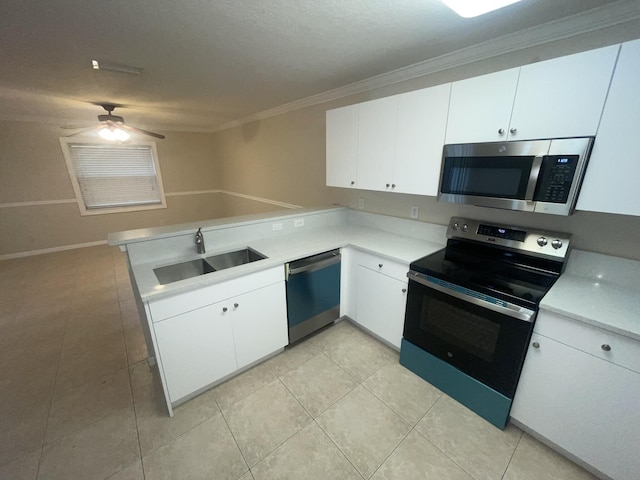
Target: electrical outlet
<point x="361" y="203"/>
<point x="298" y="222"/>
<point x="276" y="227"/>
<point x="414" y="211"/>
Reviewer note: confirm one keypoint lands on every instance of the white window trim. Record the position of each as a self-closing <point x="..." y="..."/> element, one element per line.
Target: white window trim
<point x="65" y="142"/>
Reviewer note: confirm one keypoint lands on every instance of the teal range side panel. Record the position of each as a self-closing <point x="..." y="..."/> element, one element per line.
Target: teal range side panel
<point x="311" y="293"/>
<point x="485" y="401"/>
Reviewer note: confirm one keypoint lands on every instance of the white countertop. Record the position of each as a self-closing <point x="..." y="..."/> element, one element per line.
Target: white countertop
<point x="282" y="249"/>
<point x="600" y="290"/>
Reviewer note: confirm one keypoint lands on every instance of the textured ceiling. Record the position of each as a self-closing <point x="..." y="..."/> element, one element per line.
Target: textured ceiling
<point x="207" y="63"/>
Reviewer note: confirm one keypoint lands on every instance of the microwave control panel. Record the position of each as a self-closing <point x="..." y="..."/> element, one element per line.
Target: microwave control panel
<point x="555" y="178"/>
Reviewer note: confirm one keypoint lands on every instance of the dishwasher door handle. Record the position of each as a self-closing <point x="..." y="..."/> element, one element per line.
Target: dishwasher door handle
<point x="312" y="267"/>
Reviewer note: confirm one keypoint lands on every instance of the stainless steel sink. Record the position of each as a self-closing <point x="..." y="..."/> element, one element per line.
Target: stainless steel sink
<point x="182" y="271"/>
<point x="235" y="258"/>
<point x="200" y="266"/>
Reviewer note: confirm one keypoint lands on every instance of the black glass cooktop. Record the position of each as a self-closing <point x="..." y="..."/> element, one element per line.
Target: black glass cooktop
<point x="510" y="276"/>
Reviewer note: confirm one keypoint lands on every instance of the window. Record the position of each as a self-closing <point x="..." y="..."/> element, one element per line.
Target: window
<point x="111" y="178"/>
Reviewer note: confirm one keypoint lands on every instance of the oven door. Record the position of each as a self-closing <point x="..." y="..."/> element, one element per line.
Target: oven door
<point x="482" y="336"/>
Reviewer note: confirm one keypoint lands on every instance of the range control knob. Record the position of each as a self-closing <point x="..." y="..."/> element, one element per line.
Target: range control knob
<point x="556" y="244"/>
<point x="456" y="226"/>
<point x="465" y="227"/>
<point x="542" y="241"/>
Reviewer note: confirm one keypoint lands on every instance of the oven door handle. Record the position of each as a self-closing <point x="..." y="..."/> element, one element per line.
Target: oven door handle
<point x="505" y="308"/>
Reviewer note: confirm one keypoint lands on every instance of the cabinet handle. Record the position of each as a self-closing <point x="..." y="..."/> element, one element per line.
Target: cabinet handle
<point x="535" y="345"/>
<point x="379" y="265"/>
<point x="235" y="305"/>
<point x="388" y="185"/>
<point x="224" y="309"/>
<point x="393" y="185"/>
<point x="352" y="182"/>
<point x="606" y="347"/>
<point x="404" y="290"/>
<point x="501" y="131"/>
<point x="513" y="130"/>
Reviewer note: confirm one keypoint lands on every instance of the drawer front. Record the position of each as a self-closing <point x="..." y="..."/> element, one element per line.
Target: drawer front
<point x="383" y="265"/>
<point x="171" y="306"/>
<point x="614" y="348"/>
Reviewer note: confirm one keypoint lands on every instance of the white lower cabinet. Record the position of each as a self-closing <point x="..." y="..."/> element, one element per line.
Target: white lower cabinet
<point x="381" y="299"/>
<point x="588" y="406"/>
<point x="199" y="347"/>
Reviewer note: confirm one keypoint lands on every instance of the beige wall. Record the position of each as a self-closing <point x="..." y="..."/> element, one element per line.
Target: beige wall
<point x="33" y="169"/>
<point x="283" y="158"/>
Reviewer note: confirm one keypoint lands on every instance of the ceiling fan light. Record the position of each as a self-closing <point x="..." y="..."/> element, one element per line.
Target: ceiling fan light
<point x="474" y="8"/>
<point x="114" y="134"/>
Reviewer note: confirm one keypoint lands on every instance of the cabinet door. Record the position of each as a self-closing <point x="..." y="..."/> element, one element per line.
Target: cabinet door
<point x="376" y="143"/>
<point x="562" y="97"/>
<point x="381" y="305"/>
<point x="259" y="323"/>
<point x="585" y="405"/>
<point x="195" y="349"/>
<point x="422" y="122"/>
<point x="480" y="107"/>
<point x="611" y="182"/>
<point x="342" y="146"/>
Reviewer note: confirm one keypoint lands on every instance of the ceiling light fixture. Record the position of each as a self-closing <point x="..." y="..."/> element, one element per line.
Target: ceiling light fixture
<point x="474" y="8"/>
<point x="114" y="134"/>
<point x="115" y="67"/>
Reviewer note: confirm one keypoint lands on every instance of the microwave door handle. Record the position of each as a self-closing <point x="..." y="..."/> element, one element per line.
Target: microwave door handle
<point x="533" y="178"/>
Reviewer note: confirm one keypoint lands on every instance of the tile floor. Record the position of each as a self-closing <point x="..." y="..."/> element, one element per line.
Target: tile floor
<point x="78" y="400"/>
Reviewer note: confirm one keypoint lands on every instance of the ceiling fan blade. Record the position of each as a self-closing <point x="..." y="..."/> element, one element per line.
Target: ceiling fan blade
<point x="139" y="130"/>
<point x="75" y="127"/>
<point x="86" y="129"/>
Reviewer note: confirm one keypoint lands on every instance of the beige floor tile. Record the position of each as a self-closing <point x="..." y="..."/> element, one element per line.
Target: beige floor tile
<point x="75" y="409"/>
<point x="135" y="344"/>
<point x="92" y="337"/>
<point x="247" y="476"/>
<point x="205" y="452"/>
<point x="76" y="370"/>
<point x="364" y="429"/>
<point x="404" y="392"/>
<point x="318" y="383"/>
<point x="308" y="455"/>
<point x="100" y="450"/>
<point x="145" y="381"/>
<point x="132" y="472"/>
<point x="156" y="428"/>
<point x="535" y="461"/>
<point x="24" y="468"/>
<point x="243" y="385"/>
<point x="265" y="419"/>
<point x="417" y="459"/>
<point x="293" y="357"/>
<point x="20" y="387"/>
<point x="359" y="354"/>
<point x="479" y="447"/>
<point x="22" y="431"/>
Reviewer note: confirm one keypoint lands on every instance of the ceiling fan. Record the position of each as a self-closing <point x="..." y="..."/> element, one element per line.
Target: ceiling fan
<point x="112" y="127"/>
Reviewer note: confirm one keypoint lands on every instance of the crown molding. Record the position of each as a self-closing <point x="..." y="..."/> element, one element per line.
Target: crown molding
<point x="592" y="20"/>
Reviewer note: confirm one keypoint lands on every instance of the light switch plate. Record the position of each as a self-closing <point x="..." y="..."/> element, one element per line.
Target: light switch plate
<point x="414" y="211"/>
<point x="298" y="222"/>
<point x="276" y="227"/>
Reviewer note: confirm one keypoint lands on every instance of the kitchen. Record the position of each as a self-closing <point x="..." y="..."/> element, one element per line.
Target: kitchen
<point x="289" y="151"/>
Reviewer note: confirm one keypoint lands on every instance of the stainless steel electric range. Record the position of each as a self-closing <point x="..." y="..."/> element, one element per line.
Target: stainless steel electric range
<point x="471" y="308"/>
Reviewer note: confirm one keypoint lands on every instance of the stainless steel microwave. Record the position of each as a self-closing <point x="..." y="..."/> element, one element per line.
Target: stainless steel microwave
<point x="535" y="176"/>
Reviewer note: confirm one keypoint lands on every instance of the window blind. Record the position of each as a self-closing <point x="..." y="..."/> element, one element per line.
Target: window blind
<point x="115" y="175"/>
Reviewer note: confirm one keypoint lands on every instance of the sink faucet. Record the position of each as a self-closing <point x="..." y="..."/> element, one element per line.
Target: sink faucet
<point x="200" y="241"/>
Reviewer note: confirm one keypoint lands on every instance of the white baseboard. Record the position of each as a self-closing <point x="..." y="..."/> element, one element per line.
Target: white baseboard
<point x="28" y="253"/>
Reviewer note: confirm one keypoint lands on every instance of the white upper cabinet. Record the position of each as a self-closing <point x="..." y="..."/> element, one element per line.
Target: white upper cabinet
<point x="422" y="121"/>
<point x="392" y="144"/>
<point x="562" y="97"/>
<point x="376" y="142"/>
<point x="480" y="107"/>
<point x="556" y="98"/>
<point x="342" y="146"/>
<point x="611" y="182"/>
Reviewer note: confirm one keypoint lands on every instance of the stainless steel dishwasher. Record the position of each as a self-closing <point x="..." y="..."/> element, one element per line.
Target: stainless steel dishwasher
<point x="313" y="293"/>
